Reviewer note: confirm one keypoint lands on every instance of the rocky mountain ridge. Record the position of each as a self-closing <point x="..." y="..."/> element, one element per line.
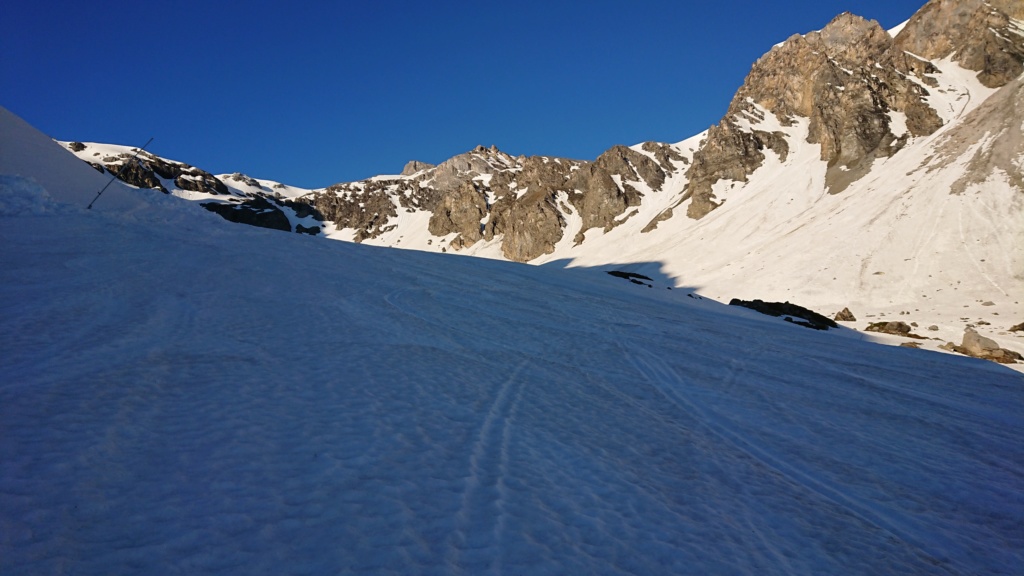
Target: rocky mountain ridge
<point x="863" y="92"/>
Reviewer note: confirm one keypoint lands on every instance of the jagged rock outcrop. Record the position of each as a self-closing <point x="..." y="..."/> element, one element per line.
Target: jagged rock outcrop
<point x="366" y="208"/>
<point x="978" y="33"/>
<point x="845" y="315"/>
<point x="414" y="166"/>
<point x="486" y="193"/>
<point x="847" y="80"/>
<point x="255" y="212"/>
<point x="137" y="173"/>
<point x="145" y="170"/>
<point x="461" y="212"/>
<point x="266" y="211"/>
<point x="728" y="154"/>
<point x="530" y="228"/>
<point x="665" y="155"/>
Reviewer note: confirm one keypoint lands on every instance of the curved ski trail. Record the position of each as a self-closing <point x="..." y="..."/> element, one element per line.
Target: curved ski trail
<point x="483" y="500"/>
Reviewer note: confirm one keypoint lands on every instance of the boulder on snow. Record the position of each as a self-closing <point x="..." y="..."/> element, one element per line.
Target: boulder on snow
<point x="978" y="346"/>
<point x="895" y="328"/>
<point x="845" y="316"/>
<point x="1018" y="328"/>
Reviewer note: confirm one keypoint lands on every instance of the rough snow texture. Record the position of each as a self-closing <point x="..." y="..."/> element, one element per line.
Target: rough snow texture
<point x="182" y="395"/>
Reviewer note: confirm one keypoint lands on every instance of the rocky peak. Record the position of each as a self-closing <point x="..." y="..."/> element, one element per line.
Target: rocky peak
<point x="850" y="39"/>
<point x="985" y="36"/>
<point x="414" y="166"/>
<point x="846" y="80"/>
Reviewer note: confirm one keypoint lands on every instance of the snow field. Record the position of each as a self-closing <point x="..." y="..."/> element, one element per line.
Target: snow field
<point x="189" y="397"/>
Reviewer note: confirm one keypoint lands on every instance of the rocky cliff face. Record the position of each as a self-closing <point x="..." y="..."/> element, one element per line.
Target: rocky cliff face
<point x="978" y="34"/>
<point x="256" y="206"/>
<point x="850" y="81"/>
<point x="486" y="193"/>
<point x="146" y="170"/>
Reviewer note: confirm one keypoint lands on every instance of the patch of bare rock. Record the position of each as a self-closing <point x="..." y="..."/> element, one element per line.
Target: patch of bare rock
<point x="789" y="312"/>
<point x="895" y="328"/>
<point x="845" y="315"/>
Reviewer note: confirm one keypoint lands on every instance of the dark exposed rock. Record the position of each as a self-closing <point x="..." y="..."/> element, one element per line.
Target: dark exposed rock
<point x="145" y="170"/>
<point x="302" y="209"/>
<point x="633" y="166"/>
<point x="845" y="316"/>
<point x="665" y="155"/>
<point x="257" y="211"/>
<point x="629" y="275"/>
<point x="661" y="217"/>
<point x="76" y="146"/>
<point x="895" y="328"/>
<point x="137" y="174"/>
<point x="365" y="208"/>
<point x="790" y="312"/>
<point x="311" y="230"/>
<point x="530" y="228"/>
<point x="198" y="180"/>
<point x="1018" y="328"/>
<point x="597" y="198"/>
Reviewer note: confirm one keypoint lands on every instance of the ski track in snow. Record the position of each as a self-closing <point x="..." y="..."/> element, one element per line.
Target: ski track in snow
<point x="483" y="499"/>
<point x="665" y="379"/>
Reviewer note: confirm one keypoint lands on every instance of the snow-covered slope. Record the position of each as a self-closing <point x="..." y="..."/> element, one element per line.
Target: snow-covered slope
<point x="27" y="153"/>
<point x="182" y="395"/>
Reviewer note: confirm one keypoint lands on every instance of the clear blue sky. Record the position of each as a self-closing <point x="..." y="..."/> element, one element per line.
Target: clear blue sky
<point x="313" y="93"/>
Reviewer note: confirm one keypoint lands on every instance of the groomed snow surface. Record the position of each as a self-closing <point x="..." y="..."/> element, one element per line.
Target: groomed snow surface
<point x="183" y="395"/>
